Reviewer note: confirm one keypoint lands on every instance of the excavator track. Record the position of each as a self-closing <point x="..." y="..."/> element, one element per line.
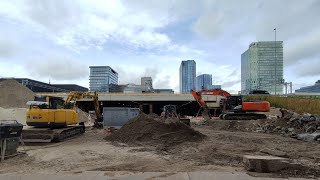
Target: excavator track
<point x="51" y="135"/>
<point x="242" y="116"/>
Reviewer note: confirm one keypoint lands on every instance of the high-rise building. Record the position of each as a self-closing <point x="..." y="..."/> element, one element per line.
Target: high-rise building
<point x="262" y="67"/>
<point x="187" y="76"/>
<point x="214" y="87"/>
<point x="101" y="77"/>
<point x="146" y="84"/>
<point x="204" y="81"/>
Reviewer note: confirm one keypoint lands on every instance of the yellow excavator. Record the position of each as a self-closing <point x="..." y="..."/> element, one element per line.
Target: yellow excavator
<point x="55" y="119"/>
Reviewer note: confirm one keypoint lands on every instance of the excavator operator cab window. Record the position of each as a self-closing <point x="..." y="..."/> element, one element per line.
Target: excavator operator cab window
<point x="55" y="103"/>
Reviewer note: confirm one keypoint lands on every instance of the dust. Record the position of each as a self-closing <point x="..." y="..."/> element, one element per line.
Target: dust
<point x="146" y="130"/>
<point x="14" y="95"/>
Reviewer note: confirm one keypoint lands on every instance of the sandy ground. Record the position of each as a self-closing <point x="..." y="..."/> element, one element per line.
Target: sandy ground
<point x="221" y="150"/>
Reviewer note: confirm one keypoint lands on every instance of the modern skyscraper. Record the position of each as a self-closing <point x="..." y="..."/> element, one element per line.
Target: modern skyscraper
<point x="101" y="77"/>
<point x="204" y="81"/>
<point x="187" y="76"/>
<point x="146" y="84"/>
<point x="262" y="67"/>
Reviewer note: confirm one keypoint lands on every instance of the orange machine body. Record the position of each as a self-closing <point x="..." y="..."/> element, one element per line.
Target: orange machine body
<point x="260" y="106"/>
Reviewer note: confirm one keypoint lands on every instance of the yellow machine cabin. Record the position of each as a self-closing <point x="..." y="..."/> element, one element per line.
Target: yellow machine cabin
<point x="53" y="119"/>
<point x="51" y="112"/>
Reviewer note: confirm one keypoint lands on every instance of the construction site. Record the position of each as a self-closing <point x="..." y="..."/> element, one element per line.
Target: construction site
<point x="208" y="135"/>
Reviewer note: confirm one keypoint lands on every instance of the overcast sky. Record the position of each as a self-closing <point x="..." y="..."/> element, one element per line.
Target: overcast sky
<point x="59" y="40"/>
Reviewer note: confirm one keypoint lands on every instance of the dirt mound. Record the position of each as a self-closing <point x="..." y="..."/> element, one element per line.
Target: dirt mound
<point x="146" y="130"/>
<point x="14" y="95"/>
<point x="83" y="116"/>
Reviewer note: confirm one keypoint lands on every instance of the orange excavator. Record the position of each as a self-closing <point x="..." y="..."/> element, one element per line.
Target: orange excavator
<point x="233" y="108"/>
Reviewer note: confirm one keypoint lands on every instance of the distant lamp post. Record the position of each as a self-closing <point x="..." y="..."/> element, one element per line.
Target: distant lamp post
<point x="275" y="61"/>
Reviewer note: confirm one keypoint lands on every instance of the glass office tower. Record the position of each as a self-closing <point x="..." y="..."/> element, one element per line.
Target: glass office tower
<point x="187" y="76"/>
<point x="262" y="67"/>
<point x="101" y="77"/>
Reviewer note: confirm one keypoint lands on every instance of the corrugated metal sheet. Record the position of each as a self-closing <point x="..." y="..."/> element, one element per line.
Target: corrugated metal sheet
<point x="117" y="116"/>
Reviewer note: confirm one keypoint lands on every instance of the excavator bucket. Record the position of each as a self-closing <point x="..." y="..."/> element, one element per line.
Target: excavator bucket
<point x="205" y="114"/>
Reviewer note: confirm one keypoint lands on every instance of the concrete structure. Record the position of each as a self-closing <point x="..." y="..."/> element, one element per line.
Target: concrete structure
<point x="265" y="164"/>
<point x="187" y="76"/>
<point x="37" y="86"/>
<point x="146" y="84"/>
<point x="148" y="102"/>
<point x="204" y="81"/>
<point x="214" y="87"/>
<point x="163" y="91"/>
<point x="262" y="67"/>
<point x="101" y="77"/>
<point x="115" y="88"/>
<point x="132" y="88"/>
<point x="310" y="89"/>
<point x="71" y="87"/>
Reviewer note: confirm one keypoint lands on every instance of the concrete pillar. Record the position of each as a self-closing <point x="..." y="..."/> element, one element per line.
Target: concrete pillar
<point x="151" y="108"/>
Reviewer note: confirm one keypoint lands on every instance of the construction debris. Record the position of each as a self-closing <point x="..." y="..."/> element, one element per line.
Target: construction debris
<point x="265" y="164"/>
<point x="274" y="152"/>
<point x="291" y="124"/>
<point x="147" y="130"/>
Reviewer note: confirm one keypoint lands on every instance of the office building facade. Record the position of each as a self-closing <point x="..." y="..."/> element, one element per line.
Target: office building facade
<point x="146" y="84"/>
<point x="187" y="76"/>
<point x="204" y="81"/>
<point x="214" y="87"/>
<point x="101" y="77"/>
<point x="262" y="67"/>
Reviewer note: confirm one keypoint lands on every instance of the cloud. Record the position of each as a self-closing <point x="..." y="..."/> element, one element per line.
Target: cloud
<point x="150" y="38"/>
<point x="8" y="47"/>
<point x="57" y="67"/>
<point x="304" y="47"/>
<point x="162" y="83"/>
<point x="81" y="25"/>
<point x="309" y="68"/>
<point x="133" y="75"/>
<point x="210" y="25"/>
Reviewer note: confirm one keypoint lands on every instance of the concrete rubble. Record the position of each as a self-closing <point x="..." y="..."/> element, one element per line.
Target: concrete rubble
<point x="265" y="164"/>
<point x="300" y="126"/>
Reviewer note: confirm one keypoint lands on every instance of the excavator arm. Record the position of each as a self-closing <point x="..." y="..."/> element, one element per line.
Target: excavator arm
<point x="74" y="96"/>
<point x="205" y="113"/>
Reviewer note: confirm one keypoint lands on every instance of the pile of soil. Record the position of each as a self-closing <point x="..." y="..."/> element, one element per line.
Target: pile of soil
<point x="83" y="116"/>
<point x="145" y="130"/>
<point x="14" y="95"/>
